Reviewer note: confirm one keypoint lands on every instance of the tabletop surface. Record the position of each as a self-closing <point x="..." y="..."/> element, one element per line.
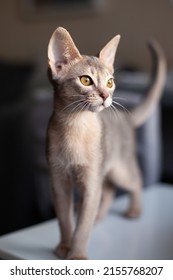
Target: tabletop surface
<point x="116" y="237"/>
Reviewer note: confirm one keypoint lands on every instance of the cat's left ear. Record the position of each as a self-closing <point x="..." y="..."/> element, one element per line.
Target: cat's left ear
<point x="61" y="51"/>
<point x="107" y="54"/>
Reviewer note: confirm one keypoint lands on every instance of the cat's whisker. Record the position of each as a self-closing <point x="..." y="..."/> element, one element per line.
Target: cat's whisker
<point x="120" y="98"/>
<point x="76" y="107"/>
<point x="80" y="108"/>
<point x="118" y="112"/>
<point x="121" y="106"/>
<point x="72" y="103"/>
<point x="114" y="110"/>
<point x="79" y="102"/>
<point x="110" y="110"/>
<point x="83" y="107"/>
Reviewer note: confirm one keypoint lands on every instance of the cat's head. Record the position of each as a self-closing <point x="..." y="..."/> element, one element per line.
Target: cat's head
<point x="82" y="82"/>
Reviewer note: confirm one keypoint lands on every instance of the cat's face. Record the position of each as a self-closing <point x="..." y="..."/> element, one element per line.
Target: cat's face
<point x="85" y="82"/>
<point x="86" y="85"/>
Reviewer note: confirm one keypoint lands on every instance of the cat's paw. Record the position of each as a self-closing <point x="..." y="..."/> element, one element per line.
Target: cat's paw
<point x="99" y="218"/>
<point x="133" y="213"/>
<point x="62" y="250"/>
<point x="77" y="257"/>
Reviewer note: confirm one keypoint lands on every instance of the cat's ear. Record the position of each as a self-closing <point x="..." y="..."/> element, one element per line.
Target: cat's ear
<point x="61" y="51"/>
<point x="107" y="54"/>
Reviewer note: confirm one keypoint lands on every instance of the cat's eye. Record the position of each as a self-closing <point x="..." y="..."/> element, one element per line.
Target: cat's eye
<point x="110" y="83"/>
<point x="86" y="80"/>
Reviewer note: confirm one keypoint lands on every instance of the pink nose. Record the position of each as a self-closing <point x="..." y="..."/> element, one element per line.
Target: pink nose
<point x="104" y="96"/>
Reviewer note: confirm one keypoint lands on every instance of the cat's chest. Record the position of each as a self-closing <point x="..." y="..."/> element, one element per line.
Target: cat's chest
<point x="81" y="142"/>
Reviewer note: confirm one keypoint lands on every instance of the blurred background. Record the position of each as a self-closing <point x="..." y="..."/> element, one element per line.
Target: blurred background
<point x="26" y="96"/>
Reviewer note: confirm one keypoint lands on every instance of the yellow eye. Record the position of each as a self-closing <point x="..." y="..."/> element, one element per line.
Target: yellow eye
<point x="86" y="80"/>
<point x="110" y="83"/>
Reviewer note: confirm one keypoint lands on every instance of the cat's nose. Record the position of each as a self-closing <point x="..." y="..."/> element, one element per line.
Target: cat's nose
<point x="104" y="96"/>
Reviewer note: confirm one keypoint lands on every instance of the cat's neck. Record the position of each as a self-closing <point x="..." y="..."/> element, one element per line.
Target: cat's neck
<point x="76" y="119"/>
<point x="83" y="120"/>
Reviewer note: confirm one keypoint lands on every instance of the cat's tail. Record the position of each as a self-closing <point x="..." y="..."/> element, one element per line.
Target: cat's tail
<point x="145" y="108"/>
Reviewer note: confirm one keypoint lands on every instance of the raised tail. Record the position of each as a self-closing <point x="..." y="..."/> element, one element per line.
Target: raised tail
<point x="145" y="108"/>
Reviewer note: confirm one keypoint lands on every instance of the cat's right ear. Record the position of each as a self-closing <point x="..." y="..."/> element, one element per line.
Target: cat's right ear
<point x="61" y="51"/>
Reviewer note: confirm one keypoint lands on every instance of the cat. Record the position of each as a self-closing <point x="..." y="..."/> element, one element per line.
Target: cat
<point x="88" y="145"/>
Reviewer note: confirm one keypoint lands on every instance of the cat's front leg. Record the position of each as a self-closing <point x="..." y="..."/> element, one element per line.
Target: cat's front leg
<point x="63" y="203"/>
<point x="90" y="188"/>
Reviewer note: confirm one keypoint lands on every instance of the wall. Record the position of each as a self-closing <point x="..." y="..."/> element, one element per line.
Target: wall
<point x="135" y="20"/>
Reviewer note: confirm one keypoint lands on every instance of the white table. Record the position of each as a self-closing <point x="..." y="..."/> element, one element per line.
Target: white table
<point x="149" y="237"/>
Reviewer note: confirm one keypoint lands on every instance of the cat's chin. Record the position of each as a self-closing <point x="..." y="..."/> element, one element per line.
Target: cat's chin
<point x="96" y="109"/>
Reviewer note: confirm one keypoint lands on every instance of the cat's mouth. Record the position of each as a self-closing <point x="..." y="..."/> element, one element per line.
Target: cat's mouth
<point x="98" y="103"/>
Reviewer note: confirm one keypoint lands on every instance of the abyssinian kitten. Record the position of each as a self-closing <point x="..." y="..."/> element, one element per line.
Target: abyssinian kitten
<point x="88" y="147"/>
